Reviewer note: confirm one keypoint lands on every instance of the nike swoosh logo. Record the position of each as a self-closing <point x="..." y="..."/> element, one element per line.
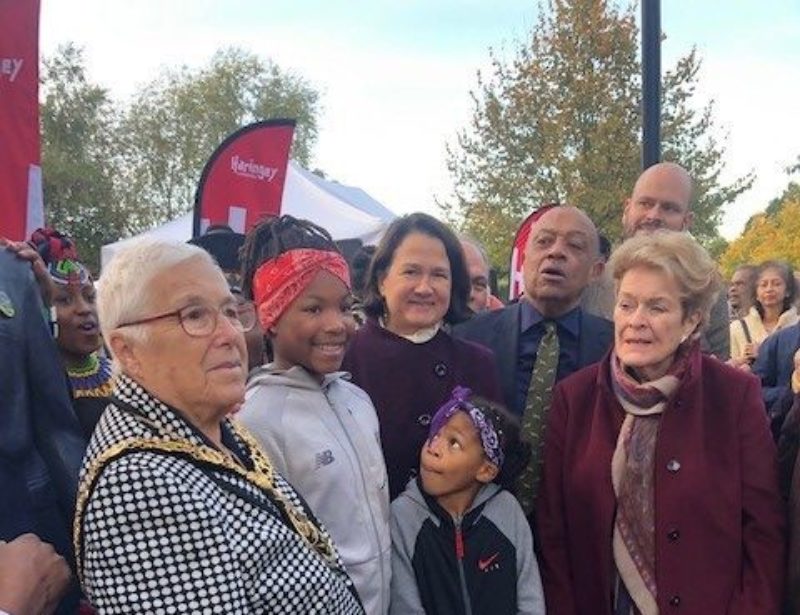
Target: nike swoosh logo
<point x="483" y="564"/>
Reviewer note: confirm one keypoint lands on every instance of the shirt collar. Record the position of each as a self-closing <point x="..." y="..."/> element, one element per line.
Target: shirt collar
<point x="530" y="317"/>
<point x="420" y="336"/>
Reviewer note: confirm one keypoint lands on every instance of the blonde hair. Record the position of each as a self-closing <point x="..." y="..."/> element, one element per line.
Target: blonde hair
<point x="678" y="255"/>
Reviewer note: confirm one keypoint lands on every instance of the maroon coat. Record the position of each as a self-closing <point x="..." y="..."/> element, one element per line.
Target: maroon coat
<point x="408" y="382"/>
<point x="720" y="521"/>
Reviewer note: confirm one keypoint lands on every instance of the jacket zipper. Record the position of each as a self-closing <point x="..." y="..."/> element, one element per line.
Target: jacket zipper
<point x="459" y="539"/>
<point x="375" y="531"/>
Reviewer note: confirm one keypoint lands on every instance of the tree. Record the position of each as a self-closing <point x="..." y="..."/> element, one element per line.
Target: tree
<point x="80" y="155"/>
<point x="561" y="122"/>
<point x="767" y="238"/>
<point x="175" y="122"/>
<point x="773" y="234"/>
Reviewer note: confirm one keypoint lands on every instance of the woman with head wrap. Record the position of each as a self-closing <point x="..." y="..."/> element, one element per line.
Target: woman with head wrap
<point x="76" y="328"/>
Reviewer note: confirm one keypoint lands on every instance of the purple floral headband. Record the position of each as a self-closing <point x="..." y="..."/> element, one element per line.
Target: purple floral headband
<point x="459" y="401"/>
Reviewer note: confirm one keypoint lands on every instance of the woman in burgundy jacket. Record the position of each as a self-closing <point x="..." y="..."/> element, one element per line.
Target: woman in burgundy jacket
<point x="402" y="356"/>
<point x="660" y="491"/>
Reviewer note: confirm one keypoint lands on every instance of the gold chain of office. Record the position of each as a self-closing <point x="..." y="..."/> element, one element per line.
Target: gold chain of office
<point x="263" y="476"/>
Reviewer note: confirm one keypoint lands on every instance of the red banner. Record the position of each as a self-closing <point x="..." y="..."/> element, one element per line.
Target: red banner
<point x="515" y="282"/>
<point x="21" y="209"/>
<point x="243" y="180"/>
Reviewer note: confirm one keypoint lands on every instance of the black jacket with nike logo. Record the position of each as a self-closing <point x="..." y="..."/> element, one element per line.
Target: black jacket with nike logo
<point x="481" y="564"/>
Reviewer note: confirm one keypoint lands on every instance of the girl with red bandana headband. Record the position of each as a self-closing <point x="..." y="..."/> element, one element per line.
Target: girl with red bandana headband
<point x="320" y="430"/>
<point x="72" y="294"/>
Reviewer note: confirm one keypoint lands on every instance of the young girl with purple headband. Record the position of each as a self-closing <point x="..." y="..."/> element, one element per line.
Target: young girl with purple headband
<point x="460" y="541"/>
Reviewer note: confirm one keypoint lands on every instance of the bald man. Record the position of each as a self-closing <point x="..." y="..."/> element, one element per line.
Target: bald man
<point x="661" y="199"/>
<point x="562" y="256"/>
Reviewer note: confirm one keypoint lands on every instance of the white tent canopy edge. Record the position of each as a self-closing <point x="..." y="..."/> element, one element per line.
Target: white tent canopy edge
<point x="345" y="212"/>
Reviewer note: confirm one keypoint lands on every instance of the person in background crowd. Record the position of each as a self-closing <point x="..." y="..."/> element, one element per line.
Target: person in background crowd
<point x="215" y="528"/>
<point x="479" y="270"/>
<point x="598" y="296"/>
<point x="545" y="336"/>
<point x="457" y="516"/>
<point x="73" y="295"/>
<point x="789" y="462"/>
<point x="662" y="199"/>
<point x="797" y="285"/>
<point x="660" y="490"/>
<point x="359" y="268"/>
<point x="320" y="431"/>
<point x="774" y="366"/>
<point x="402" y="356"/>
<point x="773" y="309"/>
<point x="740" y="291"/>
<point x="225" y="245"/>
<point x="41" y="446"/>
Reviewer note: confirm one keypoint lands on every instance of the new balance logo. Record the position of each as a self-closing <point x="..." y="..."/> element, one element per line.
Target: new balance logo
<point x="325" y="458"/>
<point x="489" y="563"/>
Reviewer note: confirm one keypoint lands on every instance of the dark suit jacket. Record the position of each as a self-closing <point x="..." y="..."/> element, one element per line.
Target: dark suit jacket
<point x="499" y="331"/>
<point x="41" y="445"/>
<point x="775" y="364"/>
<point x="719" y="522"/>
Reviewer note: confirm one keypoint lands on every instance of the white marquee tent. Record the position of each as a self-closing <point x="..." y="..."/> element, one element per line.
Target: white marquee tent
<point x="346" y="212"/>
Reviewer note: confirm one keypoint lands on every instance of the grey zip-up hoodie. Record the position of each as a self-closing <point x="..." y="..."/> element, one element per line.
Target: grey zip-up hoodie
<point x="325" y="440"/>
<point x="480" y="564"/>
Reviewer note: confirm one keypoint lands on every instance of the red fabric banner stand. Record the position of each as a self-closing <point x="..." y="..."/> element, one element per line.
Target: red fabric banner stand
<point x="21" y="210"/>
<point x="243" y="180"/>
<point x="515" y="282"/>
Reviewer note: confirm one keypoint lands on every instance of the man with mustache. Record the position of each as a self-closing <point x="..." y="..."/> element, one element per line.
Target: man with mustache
<point x="561" y="258"/>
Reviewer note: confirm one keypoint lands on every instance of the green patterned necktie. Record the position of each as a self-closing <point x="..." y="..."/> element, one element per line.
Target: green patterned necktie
<point x="537" y="403"/>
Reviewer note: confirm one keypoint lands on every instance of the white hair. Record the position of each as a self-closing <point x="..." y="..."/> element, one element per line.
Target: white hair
<point x="124" y="292"/>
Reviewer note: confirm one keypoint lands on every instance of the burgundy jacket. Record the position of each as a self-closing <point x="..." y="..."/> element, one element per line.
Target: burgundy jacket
<point x="408" y="382"/>
<point x="720" y="521"/>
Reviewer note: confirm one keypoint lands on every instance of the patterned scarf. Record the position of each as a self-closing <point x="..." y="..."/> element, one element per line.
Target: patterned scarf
<point x="281" y="280"/>
<point x="633" y="475"/>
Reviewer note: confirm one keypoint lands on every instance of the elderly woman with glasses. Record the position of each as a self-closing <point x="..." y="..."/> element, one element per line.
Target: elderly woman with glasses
<point x="179" y="511"/>
<point x="660" y="491"/>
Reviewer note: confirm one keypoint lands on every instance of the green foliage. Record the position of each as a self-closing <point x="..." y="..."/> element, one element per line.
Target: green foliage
<point x="773" y="234"/>
<point x="111" y="170"/>
<point x="561" y="122"/>
<point x="80" y="155"/>
<point x="175" y="122"/>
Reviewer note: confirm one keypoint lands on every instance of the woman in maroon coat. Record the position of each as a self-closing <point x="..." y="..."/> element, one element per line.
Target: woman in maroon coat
<point x="402" y="356"/>
<point x="660" y="489"/>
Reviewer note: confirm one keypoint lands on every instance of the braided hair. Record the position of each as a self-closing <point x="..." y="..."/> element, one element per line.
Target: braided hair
<point x="272" y="237"/>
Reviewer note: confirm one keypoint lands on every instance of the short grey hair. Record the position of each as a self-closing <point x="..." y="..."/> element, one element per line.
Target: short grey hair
<point x="467" y="238"/>
<point x="124" y="292"/>
<point x="678" y="255"/>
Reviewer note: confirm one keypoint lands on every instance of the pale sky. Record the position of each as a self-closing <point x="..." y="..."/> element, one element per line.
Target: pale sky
<point x="395" y="76"/>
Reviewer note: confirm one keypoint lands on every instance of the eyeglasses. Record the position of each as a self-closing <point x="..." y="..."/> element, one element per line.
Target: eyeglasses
<point x="200" y="320"/>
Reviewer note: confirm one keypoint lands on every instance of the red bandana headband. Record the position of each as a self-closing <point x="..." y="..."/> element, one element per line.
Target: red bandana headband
<point x="279" y="281"/>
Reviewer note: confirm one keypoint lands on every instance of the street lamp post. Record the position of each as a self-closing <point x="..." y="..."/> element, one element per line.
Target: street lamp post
<point x="651" y="82"/>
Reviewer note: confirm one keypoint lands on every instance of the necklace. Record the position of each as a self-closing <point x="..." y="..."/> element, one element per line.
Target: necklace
<point x="93" y="379"/>
<point x="263" y="476"/>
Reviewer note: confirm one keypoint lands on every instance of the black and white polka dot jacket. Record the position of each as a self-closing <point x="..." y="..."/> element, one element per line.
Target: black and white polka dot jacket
<point x="163" y="534"/>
